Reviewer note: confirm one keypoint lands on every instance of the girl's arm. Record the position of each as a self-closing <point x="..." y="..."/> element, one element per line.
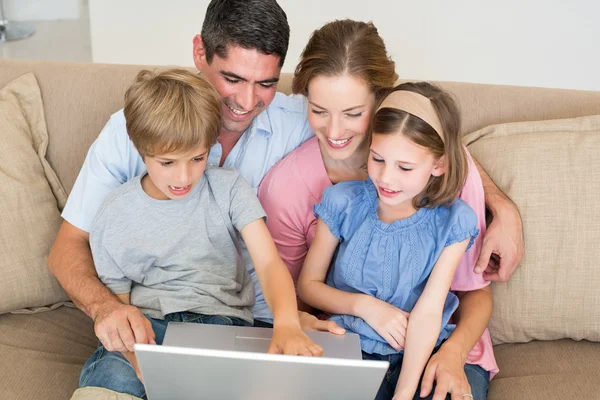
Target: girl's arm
<point x="312" y="288"/>
<point x="388" y="321"/>
<point x="278" y="288"/>
<point x="426" y="319"/>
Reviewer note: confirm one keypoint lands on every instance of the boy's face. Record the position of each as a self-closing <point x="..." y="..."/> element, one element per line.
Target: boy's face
<point x="246" y="81"/>
<point x="172" y="176"/>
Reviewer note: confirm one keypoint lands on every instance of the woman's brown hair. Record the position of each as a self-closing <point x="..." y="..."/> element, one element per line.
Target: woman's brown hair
<point x="444" y="189"/>
<point x="346" y="46"/>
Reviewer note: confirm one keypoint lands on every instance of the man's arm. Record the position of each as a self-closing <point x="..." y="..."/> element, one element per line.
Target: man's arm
<point x="70" y="261"/>
<point x="504" y="236"/>
<point x="117" y="325"/>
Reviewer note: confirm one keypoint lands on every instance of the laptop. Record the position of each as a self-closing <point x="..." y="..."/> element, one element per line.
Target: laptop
<point x="199" y="361"/>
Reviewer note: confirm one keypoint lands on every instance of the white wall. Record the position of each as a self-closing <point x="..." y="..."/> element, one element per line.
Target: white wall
<point x="548" y="43"/>
<point x="39" y="10"/>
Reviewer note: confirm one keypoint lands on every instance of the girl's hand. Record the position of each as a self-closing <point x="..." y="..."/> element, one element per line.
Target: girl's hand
<point x="291" y="340"/>
<point x="402" y="395"/>
<point x="311" y="323"/>
<point x="388" y="321"/>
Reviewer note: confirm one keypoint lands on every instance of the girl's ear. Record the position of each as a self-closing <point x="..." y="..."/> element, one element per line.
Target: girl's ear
<point x="440" y="167"/>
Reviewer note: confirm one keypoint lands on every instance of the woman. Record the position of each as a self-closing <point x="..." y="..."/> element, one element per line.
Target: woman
<point x="343" y="72"/>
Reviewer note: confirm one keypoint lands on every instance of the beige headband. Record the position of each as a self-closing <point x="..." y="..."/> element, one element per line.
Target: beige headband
<point x="415" y="104"/>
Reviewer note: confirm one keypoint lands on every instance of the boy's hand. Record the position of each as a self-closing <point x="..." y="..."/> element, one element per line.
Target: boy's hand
<point x="291" y="340"/>
<point x="388" y="321"/>
<point x="309" y="322"/>
<point x="119" y="326"/>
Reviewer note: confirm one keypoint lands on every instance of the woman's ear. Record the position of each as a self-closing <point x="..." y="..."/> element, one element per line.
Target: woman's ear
<point x="440" y="167"/>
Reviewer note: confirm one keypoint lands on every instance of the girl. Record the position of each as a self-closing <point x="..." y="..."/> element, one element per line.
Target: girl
<point x="401" y="235"/>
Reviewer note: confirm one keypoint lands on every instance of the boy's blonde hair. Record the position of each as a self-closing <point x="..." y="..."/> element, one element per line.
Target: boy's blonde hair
<point x="171" y="111"/>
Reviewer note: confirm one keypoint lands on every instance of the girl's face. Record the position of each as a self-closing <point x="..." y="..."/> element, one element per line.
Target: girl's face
<point x="339" y="113"/>
<point x="400" y="169"/>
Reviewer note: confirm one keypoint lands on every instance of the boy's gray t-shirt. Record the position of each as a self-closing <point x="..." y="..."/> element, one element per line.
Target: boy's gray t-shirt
<point x="178" y="255"/>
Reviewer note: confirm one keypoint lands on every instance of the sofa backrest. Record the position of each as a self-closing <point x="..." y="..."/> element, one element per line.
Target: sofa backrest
<point x="80" y="97"/>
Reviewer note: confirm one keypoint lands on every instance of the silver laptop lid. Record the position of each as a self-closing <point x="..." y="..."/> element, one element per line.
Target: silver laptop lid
<point x="238" y="338"/>
<point x="188" y="373"/>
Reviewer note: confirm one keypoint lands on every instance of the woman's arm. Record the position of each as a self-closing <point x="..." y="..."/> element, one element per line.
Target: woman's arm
<point x="446" y="367"/>
<point x="425" y="320"/>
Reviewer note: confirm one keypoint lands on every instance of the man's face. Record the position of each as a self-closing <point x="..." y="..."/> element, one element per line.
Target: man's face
<point x="246" y="81"/>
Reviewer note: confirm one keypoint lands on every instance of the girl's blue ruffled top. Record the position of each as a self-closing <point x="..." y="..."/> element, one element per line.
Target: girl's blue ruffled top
<point x="389" y="261"/>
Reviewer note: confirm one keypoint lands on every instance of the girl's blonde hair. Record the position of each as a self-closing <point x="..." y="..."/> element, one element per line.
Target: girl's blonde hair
<point x="171" y="111"/>
<point x="444" y="189"/>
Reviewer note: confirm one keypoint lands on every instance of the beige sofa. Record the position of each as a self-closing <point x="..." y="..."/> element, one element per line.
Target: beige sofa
<point x="42" y="353"/>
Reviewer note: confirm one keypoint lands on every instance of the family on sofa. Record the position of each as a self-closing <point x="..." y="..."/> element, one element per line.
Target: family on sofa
<point x="351" y="172"/>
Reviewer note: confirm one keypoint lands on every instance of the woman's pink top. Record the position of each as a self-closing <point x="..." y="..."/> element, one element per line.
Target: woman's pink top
<point x="289" y="192"/>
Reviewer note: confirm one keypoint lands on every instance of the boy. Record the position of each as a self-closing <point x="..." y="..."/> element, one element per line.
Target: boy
<point x="167" y="241"/>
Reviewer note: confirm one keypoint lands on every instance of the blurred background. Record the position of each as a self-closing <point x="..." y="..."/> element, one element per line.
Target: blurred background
<point x="547" y="43"/>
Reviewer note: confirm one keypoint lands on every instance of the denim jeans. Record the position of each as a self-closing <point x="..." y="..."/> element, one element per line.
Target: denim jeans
<point x="479" y="378"/>
<point x="110" y="370"/>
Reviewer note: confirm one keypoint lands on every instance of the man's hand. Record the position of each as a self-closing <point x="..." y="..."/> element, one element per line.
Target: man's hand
<point x="446" y="368"/>
<point x="290" y="339"/>
<point x="503" y="245"/>
<point x="130" y="356"/>
<point x="119" y="326"/>
<point x="309" y="322"/>
<point x="388" y="321"/>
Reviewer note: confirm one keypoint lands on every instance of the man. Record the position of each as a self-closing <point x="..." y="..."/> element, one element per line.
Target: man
<point x="241" y="50"/>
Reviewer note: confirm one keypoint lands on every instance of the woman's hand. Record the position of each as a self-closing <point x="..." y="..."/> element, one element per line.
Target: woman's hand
<point x="447" y="369"/>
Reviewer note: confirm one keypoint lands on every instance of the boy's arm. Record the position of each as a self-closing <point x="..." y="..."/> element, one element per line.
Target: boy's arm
<point x="504" y="236"/>
<point x="278" y="288"/>
<point x="425" y="320"/>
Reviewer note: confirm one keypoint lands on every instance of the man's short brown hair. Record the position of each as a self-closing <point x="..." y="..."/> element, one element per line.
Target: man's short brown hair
<point x="171" y="111"/>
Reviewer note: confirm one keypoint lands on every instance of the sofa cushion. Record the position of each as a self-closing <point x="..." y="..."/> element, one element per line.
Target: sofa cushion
<point x="555" y="370"/>
<point x="551" y="170"/>
<point x="43" y="354"/>
<point x="97" y="393"/>
<point x="30" y="197"/>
